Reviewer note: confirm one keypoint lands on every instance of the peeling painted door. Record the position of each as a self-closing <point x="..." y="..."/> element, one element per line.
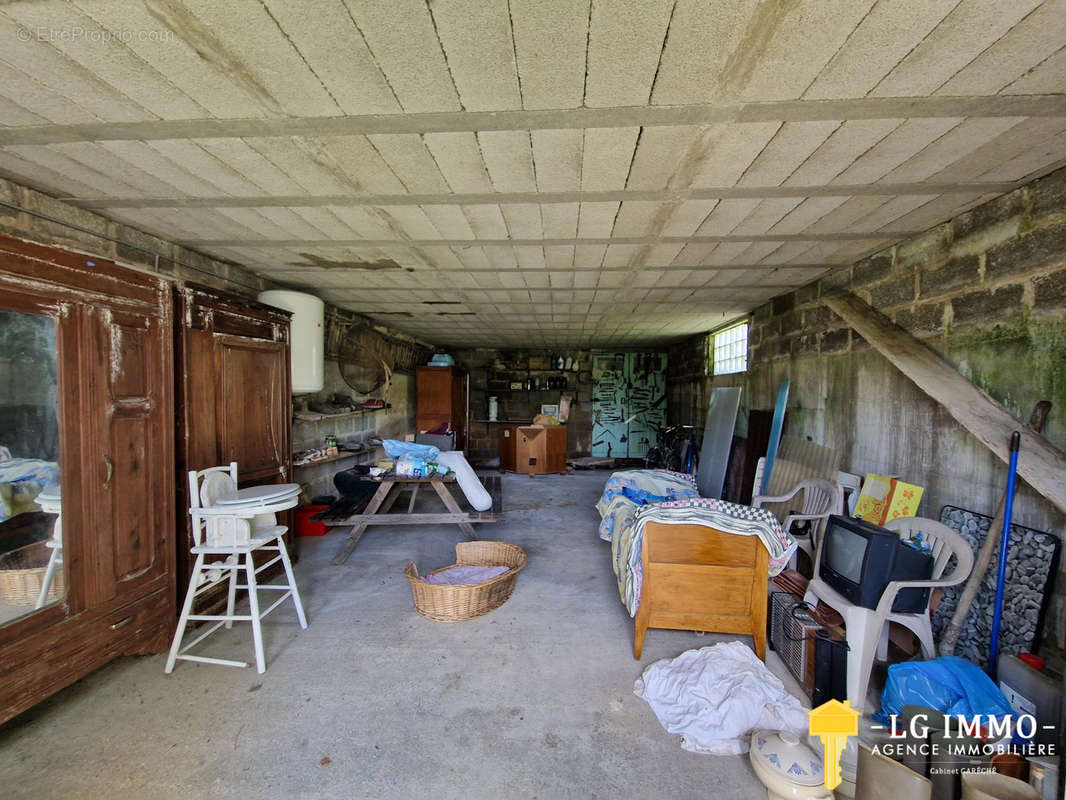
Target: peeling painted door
<point x="646" y="402"/>
<point x="628" y="401"/>
<point x="609" y="428"/>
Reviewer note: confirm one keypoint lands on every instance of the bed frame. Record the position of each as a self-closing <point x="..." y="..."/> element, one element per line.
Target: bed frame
<point x="699" y="578"/>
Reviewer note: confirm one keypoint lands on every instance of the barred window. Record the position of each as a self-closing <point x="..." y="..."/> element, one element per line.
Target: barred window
<point x="730" y="350"/>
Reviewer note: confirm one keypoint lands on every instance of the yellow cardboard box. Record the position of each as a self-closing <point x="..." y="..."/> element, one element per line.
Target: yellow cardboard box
<point x="884" y="497"/>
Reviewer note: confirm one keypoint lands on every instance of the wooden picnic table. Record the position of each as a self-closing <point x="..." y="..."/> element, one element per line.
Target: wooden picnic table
<point x="391" y="486"/>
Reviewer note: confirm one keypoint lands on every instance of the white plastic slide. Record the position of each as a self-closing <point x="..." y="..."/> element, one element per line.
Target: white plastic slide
<point x="468" y="480"/>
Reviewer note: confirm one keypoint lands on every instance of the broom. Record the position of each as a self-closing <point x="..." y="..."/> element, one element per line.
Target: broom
<point x="950" y="637"/>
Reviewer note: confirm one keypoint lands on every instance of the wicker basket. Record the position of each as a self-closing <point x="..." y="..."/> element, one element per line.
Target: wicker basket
<point x="22" y="573"/>
<point x="455" y="603"/>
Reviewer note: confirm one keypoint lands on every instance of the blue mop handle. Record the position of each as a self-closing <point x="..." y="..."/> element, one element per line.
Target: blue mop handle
<point x="1008" y="510"/>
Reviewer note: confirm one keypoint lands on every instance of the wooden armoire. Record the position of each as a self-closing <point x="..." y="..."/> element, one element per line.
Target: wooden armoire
<point x="442" y="396"/>
<point x="113" y="334"/>
<point x="234" y="398"/>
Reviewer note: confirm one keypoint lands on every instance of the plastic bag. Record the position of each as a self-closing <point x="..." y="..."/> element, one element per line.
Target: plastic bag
<point x="396" y="448"/>
<point x="468" y="479"/>
<point x="410" y="466"/>
<point x="948" y="684"/>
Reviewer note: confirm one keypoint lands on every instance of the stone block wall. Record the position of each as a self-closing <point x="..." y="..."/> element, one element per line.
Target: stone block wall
<point x="987" y="290"/>
<point x="492" y="370"/>
<point x="50" y="221"/>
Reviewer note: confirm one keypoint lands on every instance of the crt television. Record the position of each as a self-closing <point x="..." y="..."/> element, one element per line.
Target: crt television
<point x="859" y="559"/>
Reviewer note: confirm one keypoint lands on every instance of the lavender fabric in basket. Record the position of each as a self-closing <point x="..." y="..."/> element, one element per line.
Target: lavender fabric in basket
<point x="465" y="575"/>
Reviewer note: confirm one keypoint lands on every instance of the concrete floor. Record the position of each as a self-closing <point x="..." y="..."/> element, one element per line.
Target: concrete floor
<point x="533" y="700"/>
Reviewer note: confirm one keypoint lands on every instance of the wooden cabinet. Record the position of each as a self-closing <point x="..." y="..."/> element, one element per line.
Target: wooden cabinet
<point x="235" y="396"/>
<point x="442" y="396"/>
<point x="114" y="390"/>
<point x="533" y="450"/>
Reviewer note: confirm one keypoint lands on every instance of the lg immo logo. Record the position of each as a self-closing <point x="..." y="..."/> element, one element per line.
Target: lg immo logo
<point x="833" y="723"/>
<point x="962" y="735"/>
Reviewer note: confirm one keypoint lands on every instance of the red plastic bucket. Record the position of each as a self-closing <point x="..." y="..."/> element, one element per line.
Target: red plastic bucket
<point x="305" y="526"/>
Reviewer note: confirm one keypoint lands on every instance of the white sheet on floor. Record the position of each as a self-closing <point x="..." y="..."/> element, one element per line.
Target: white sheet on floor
<point x="716" y="696"/>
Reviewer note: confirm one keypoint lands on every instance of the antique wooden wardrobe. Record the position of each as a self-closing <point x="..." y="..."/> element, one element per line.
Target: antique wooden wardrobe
<point x="234" y="398"/>
<point x="113" y="334"/>
<point x="124" y="344"/>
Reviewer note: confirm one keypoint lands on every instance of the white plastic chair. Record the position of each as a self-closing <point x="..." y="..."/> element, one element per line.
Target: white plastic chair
<point x="235" y="532"/>
<point x="820" y="499"/>
<point x="867" y="629"/>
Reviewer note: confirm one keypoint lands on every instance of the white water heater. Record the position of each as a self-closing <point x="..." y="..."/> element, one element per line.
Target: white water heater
<point x="307" y="344"/>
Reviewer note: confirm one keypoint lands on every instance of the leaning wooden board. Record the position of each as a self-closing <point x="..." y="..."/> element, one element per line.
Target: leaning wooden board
<point x="1040" y="463"/>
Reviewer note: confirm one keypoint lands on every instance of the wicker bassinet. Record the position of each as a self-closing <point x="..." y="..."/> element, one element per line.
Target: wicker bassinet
<point x="455" y="603"/>
<point x="22" y="574"/>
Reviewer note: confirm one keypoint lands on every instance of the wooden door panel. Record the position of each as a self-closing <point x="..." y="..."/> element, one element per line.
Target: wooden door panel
<point x="434" y="392"/>
<point x="128" y="456"/>
<point x="235" y="400"/>
<point x="200" y="408"/>
<point x="133" y="553"/>
<point x="253" y="406"/>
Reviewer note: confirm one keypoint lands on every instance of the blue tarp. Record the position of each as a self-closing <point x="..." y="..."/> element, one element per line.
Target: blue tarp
<point x="949" y="684"/>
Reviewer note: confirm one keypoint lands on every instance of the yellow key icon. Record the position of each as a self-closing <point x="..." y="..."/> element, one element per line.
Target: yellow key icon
<point x="833" y="722"/>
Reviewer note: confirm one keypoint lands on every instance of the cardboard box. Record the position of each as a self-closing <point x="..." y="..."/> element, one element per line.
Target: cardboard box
<point x="445" y="441"/>
<point x="884" y="498"/>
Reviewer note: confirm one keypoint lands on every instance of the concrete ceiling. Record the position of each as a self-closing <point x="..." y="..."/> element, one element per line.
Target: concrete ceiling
<point x="533" y="172"/>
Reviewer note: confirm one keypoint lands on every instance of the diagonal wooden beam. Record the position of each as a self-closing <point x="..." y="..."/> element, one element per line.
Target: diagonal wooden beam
<point x="1040" y="463"/>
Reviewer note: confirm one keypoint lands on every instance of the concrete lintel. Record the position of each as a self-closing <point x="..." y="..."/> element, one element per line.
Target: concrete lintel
<point x="776" y="287"/>
<point x="548" y="198"/>
<point x="624" y="117"/>
<point x="848" y="236"/>
<point x="591" y="268"/>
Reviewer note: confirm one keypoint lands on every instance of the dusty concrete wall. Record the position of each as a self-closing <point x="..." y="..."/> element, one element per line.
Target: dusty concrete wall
<point x="987" y="290"/>
<point x="44" y="219"/>
<point x="492" y="369"/>
<point x="346" y="332"/>
<point x="41" y="218"/>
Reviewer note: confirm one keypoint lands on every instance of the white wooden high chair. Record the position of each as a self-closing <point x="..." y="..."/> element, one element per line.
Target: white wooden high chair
<point x="235" y="525"/>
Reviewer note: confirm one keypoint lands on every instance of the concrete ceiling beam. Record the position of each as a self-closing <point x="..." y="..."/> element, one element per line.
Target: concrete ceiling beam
<point x="869" y="108"/>
<point x="550" y="198"/>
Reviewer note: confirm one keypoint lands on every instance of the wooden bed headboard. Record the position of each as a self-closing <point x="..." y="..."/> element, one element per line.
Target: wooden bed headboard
<point x="702" y="579"/>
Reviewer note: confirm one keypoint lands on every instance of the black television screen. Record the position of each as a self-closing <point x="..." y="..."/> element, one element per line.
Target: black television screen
<point x="844" y="553"/>
<point x="859" y="559"/>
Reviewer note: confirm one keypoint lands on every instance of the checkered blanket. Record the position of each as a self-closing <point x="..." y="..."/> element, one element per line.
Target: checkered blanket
<point x="719" y="514"/>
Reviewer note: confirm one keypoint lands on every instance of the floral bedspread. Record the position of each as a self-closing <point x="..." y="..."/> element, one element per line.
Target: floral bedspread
<point x="629" y="518"/>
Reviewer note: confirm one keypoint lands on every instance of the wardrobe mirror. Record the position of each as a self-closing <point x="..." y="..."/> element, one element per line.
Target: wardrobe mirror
<point x="32" y="574"/>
